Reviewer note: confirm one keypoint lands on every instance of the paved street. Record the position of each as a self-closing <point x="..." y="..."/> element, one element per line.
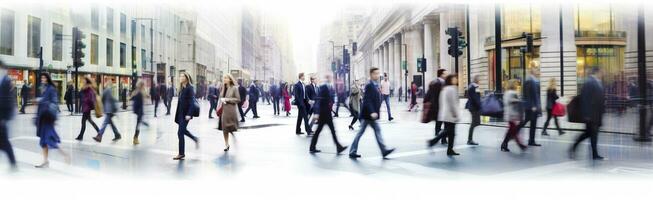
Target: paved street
<point x="269" y="146"/>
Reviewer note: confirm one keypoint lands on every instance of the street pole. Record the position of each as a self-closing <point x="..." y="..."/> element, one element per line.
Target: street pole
<point x="152" y="67"/>
<point x="562" y="68"/>
<point x="469" y="41"/>
<point x="497" y="48"/>
<point x="641" y="75"/>
<point x="38" y="80"/>
<point x="405" y="74"/>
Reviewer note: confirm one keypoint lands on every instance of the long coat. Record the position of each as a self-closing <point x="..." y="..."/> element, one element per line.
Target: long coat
<point x="184" y="103"/>
<point x="355" y="98"/>
<point x="231" y="98"/>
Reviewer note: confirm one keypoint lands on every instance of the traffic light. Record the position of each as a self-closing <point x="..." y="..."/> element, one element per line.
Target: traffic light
<point x="529" y="41"/>
<point x="456" y="42"/>
<point x="346" y="60"/>
<point x="421" y="64"/>
<point x="78" y="47"/>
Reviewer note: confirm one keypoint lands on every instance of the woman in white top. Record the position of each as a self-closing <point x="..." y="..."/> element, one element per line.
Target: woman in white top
<point x="513" y="114"/>
<point x="449" y="111"/>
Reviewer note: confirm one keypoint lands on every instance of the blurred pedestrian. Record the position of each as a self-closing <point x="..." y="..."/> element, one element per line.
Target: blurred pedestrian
<point x="229" y="100"/>
<point x="322" y="113"/>
<point x="254" y="95"/>
<point x="47" y="111"/>
<point x="88" y="103"/>
<point x="138" y="96"/>
<point x="286" y="99"/>
<point x="266" y="91"/>
<point x="213" y="98"/>
<point x="163" y="94"/>
<point x="355" y="102"/>
<point x="275" y="92"/>
<point x="513" y="114"/>
<point x="242" y="92"/>
<point x="551" y="97"/>
<point x="385" y="94"/>
<point x="68" y="97"/>
<point x="301" y="101"/>
<point x="413" y="96"/>
<point x="154" y="95"/>
<point x="532" y="105"/>
<point x="342" y="99"/>
<point x="7" y="113"/>
<point x="370" y="114"/>
<point x="474" y="106"/>
<point x="24" y="96"/>
<point x="183" y="114"/>
<point x="123" y="97"/>
<point x="433" y="97"/>
<point x="170" y="93"/>
<point x="110" y="108"/>
<point x="311" y="94"/>
<point x="592" y="108"/>
<point x="448" y="112"/>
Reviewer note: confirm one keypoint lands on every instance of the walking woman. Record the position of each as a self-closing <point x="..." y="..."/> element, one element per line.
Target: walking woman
<point x="183" y="113"/>
<point x="47" y="112"/>
<point x="355" y="103"/>
<point x="413" y="95"/>
<point x="449" y="112"/>
<point x="286" y="98"/>
<point x="138" y="96"/>
<point x="88" y="104"/>
<point x="229" y="98"/>
<point x="551" y="97"/>
<point x="513" y="114"/>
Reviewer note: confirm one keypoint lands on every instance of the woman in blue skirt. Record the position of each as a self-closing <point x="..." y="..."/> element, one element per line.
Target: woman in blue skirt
<point x="48" y="109"/>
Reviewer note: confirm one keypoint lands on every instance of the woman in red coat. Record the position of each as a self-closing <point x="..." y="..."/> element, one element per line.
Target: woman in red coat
<point x="286" y="99"/>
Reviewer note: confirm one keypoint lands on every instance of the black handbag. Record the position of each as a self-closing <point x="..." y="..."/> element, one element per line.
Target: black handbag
<point x="574" y="113"/>
<point x="195" y="108"/>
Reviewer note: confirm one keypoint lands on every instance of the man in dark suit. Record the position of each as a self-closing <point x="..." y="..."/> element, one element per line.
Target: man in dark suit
<point x="24" y="96"/>
<point x="254" y="95"/>
<point x="301" y="101"/>
<point x="532" y="104"/>
<point x="170" y="93"/>
<point x="7" y="112"/>
<point x="592" y="108"/>
<point x="243" y="96"/>
<point x="433" y="97"/>
<point x="322" y="113"/>
<point x="213" y="98"/>
<point x="275" y="92"/>
<point x="162" y="94"/>
<point x="474" y="106"/>
<point x="154" y="94"/>
<point x="370" y="114"/>
<point x="311" y="93"/>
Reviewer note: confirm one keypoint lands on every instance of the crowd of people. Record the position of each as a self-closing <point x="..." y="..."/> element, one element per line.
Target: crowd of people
<point x="314" y="101"/>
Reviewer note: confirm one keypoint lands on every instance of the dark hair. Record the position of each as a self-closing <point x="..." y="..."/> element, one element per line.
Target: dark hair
<point x="301" y="75"/>
<point x="48" y="78"/>
<point x="440" y="72"/>
<point x="449" y="79"/>
<point x="188" y="78"/>
<point x="594" y="70"/>
<point x="373" y="69"/>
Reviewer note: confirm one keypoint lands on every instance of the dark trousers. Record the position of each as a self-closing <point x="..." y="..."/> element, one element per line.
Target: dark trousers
<point x="69" y="105"/>
<point x="266" y="97"/>
<point x="23" y="103"/>
<point x="252" y="107"/>
<point x="548" y="118"/>
<point x="532" y="118"/>
<point x="476" y="120"/>
<point x="108" y="121"/>
<point x="240" y="109"/>
<point x="343" y="105"/>
<point x="591" y="132"/>
<point x="5" y="145"/>
<point x="156" y="105"/>
<point x="386" y="98"/>
<point x="181" y="132"/>
<point x="320" y="125"/>
<point x="438" y="131"/>
<point x="214" y="106"/>
<point x="513" y="133"/>
<point x="86" y="116"/>
<point x="168" y="106"/>
<point x="355" y="118"/>
<point x="302" y="114"/>
<point x="275" y="105"/>
<point x="449" y="132"/>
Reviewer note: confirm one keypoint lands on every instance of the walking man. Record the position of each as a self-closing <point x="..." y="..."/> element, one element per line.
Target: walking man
<point x="592" y="108"/>
<point x="532" y="105"/>
<point x="275" y="91"/>
<point x="243" y="96"/>
<point x="24" y="96"/>
<point x="7" y="112"/>
<point x="385" y="92"/>
<point x="254" y="95"/>
<point x="213" y="98"/>
<point x="301" y="101"/>
<point x="170" y="92"/>
<point x="110" y="108"/>
<point x="322" y="113"/>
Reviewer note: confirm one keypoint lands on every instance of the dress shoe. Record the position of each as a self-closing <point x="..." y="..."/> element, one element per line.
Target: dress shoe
<point x="210" y="117"/>
<point x="545" y="133"/>
<point x="354" y="156"/>
<point x="431" y="143"/>
<point x="79" y="138"/>
<point x="299" y="133"/>
<point x="351" y="127"/>
<point x="390" y="119"/>
<point x="118" y="137"/>
<point x="341" y="149"/>
<point x="452" y="153"/>
<point x="242" y="120"/>
<point x="97" y="139"/>
<point x="597" y="157"/>
<point x="388" y="152"/>
<point x="256" y="117"/>
<point x="561" y="132"/>
<point x="505" y="149"/>
<point x="534" y="144"/>
<point x="471" y="142"/>
<point x="179" y="157"/>
<point x="315" y="151"/>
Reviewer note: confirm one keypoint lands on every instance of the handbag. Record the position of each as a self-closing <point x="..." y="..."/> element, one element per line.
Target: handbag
<point x="491" y="106"/>
<point x="219" y="111"/>
<point x="573" y="110"/>
<point x="98" y="106"/>
<point x="558" y="110"/>
<point x="195" y="108"/>
<point x="246" y="104"/>
<point x="426" y="118"/>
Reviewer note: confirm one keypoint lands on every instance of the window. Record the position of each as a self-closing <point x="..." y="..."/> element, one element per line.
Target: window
<point x="594" y="20"/>
<point x="109" y="52"/>
<point x="123" y="23"/>
<point x="94" y="49"/>
<point x="95" y="18"/>
<point x="142" y="32"/>
<point x="57" y="41"/>
<point x="33" y="36"/>
<point x="7" y="32"/>
<point x="519" y="18"/>
<point x="123" y="51"/>
<point x="109" y="20"/>
<point x="143" y="58"/>
<point x="133" y="29"/>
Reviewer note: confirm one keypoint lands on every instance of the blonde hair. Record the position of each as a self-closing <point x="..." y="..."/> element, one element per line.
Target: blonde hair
<point x="231" y="79"/>
<point x="552" y="84"/>
<point x="512" y="84"/>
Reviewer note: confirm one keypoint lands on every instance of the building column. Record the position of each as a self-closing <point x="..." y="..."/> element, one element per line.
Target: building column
<point x="429" y="48"/>
<point x="418" y="50"/>
<point x="386" y="57"/>
<point x="396" y="73"/>
<point x="391" y="58"/>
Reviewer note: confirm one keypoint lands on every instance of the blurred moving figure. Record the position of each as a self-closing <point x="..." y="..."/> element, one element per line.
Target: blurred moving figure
<point x="311" y="94"/>
<point x="551" y="97"/>
<point x="68" y="97"/>
<point x="138" y="96"/>
<point x="355" y="102"/>
<point x="48" y="110"/>
<point x="275" y="92"/>
<point x="385" y="92"/>
<point x="170" y="93"/>
<point x="88" y="104"/>
<point x="322" y="111"/>
<point x="474" y="107"/>
<point x="532" y="104"/>
<point x="433" y="97"/>
<point x="413" y="95"/>
<point x="110" y="108"/>
<point x="229" y="100"/>
<point x="7" y="113"/>
<point x="163" y="94"/>
<point x="369" y="114"/>
<point x="242" y="92"/>
<point x="213" y="98"/>
<point x="448" y="112"/>
<point x="513" y="114"/>
<point x="123" y="97"/>
<point x="592" y="108"/>
<point x="155" y="96"/>
<point x="183" y="113"/>
<point x="286" y="98"/>
<point x="254" y="96"/>
<point x="24" y="96"/>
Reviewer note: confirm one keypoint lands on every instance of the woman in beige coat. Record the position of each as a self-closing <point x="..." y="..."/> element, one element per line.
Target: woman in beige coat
<point x="229" y="98"/>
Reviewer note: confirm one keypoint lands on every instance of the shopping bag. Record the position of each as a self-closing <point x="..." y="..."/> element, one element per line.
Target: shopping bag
<point x="558" y="110"/>
<point x="491" y="106"/>
<point x="98" y="106"/>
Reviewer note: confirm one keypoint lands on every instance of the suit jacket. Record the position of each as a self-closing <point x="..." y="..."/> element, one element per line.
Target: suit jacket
<point x="324" y="103"/>
<point x="311" y="93"/>
<point x="532" y="94"/>
<point x="371" y="101"/>
<point x="170" y="92"/>
<point x="300" y="95"/>
<point x="433" y="97"/>
<point x="242" y="92"/>
<point x="254" y="93"/>
<point x="593" y="100"/>
<point x="7" y="99"/>
<point x="184" y="103"/>
<point x="275" y="91"/>
<point x="213" y="93"/>
<point x="474" y="98"/>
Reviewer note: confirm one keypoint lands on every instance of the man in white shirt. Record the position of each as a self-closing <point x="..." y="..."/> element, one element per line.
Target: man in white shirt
<point x="385" y="93"/>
